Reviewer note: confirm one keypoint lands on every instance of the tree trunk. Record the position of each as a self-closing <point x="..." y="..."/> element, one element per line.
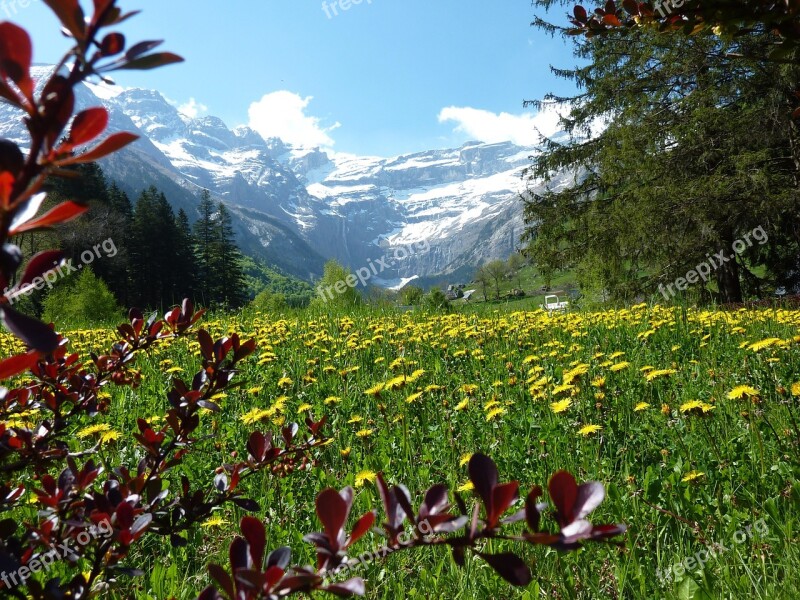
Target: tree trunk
<point x="730" y="288"/>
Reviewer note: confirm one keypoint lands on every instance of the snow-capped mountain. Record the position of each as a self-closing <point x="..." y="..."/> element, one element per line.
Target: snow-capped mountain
<point x="419" y="215"/>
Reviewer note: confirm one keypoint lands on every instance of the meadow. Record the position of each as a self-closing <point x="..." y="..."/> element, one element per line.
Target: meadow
<point x="688" y="417"/>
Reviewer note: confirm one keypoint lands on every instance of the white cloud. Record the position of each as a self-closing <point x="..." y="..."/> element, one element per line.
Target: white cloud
<point x="193" y="108"/>
<point x="282" y="114"/>
<point x="489" y="127"/>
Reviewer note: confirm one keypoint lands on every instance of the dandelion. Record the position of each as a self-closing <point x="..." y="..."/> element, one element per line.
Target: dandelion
<point x="285" y="382"/>
<point x="562" y="388"/>
<point x="332" y="400"/>
<point x="641" y="406"/>
<point x="413" y="397"/>
<point x="494" y="413"/>
<point x="213" y="522"/>
<point x="375" y="390"/>
<point x="620" y="366"/>
<point x="254" y="390"/>
<point x="434" y="388"/>
<point x="364" y="476"/>
<point x="110" y="436"/>
<point x="365" y="433"/>
<point x="743" y="390"/>
<point x="173" y="370"/>
<point x="355" y="419"/>
<point x="665" y="409"/>
<point x="766" y="343"/>
<point x="469" y="389"/>
<point x="464" y="459"/>
<point x="305" y="407"/>
<point x="463" y="404"/>
<point x="93" y="429"/>
<point x="559" y="407"/>
<point x="692" y="476"/>
<point x="589" y="429"/>
<point x="659" y="373"/>
<point x="255" y="415"/>
<point x="345" y="452"/>
<point x="696" y="405"/>
<point x="796" y="389"/>
<point x="599" y="382"/>
<point x="466" y="487"/>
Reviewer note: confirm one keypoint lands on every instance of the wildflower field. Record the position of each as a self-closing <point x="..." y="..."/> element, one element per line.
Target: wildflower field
<point x="689" y="418"/>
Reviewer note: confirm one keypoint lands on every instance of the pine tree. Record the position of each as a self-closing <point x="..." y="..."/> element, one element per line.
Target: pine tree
<point x="204" y="235"/>
<point x="694" y="153"/>
<point x="229" y="279"/>
<point x="184" y="261"/>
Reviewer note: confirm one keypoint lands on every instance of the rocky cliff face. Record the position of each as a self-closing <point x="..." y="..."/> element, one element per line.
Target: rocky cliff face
<point x="296" y="207"/>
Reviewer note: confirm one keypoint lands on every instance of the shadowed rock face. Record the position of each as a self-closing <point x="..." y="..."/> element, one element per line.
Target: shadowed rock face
<point x="295" y="207"/>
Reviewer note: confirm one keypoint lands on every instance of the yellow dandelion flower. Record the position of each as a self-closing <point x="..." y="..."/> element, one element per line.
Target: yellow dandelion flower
<point x="365" y="476"/>
<point x="665" y="409"/>
<point x="616" y="355"/>
<point x="355" y="419"/>
<point x="364" y="433"/>
<point x="285" y="382"/>
<point x="796" y="389"/>
<point x="413" y="397"/>
<point x="696" y="405"/>
<point x="659" y="373"/>
<point x="469" y="388"/>
<point x="743" y="390"/>
<point x="620" y="366"/>
<point x="110" y="436"/>
<point x="332" y="399"/>
<point x="305" y="407"/>
<point x="466" y="487"/>
<point x="254" y="390"/>
<point x="434" y="388"/>
<point x="94" y="429"/>
<point x="599" y="382"/>
<point x="641" y="406"/>
<point x="463" y="404"/>
<point x="464" y="459"/>
<point x="559" y="407"/>
<point x="345" y="452"/>
<point x="589" y="429"/>
<point x="494" y="413"/>
<point x="562" y="388"/>
<point x="213" y="522"/>
<point x="174" y="370"/>
<point x="255" y="415"/>
<point x="766" y="343"/>
<point x="692" y="476"/>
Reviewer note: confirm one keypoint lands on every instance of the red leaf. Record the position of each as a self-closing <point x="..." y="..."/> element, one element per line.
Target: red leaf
<point x="612" y="20"/>
<point x="151" y="61"/>
<point x="332" y="511"/>
<point x="483" y="474"/>
<point x="255" y="534"/>
<point x="70" y="13"/>
<point x="34" y="333"/>
<point x="532" y="515"/>
<point x="361" y="528"/>
<point x="17" y="364"/>
<point x="39" y="264"/>
<point x="219" y="575"/>
<point x="564" y="492"/>
<point x="510" y="567"/>
<point x="580" y="14"/>
<point x="137" y="50"/>
<point x="88" y="125"/>
<point x="15" y="56"/>
<point x="351" y="587"/>
<point x="112" y="44"/>
<point x="66" y="211"/>
<point x="111" y="144"/>
<point x="502" y="497"/>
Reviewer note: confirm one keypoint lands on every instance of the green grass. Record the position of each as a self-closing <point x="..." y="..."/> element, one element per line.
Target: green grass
<point x="746" y="448"/>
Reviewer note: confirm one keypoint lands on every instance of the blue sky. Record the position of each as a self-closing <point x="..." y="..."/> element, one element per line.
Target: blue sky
<point x="383" y="77"/>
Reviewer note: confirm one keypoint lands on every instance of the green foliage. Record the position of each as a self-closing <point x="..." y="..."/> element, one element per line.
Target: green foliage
<point x="333" y="289"/>
<point x="436" y="301"/>
<point x="411" y="295"/>
<point x="81" y="300"/>
<point x="268" y="301"/>
<point x="696" y="151"/>
<point x="260" y="276"/>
